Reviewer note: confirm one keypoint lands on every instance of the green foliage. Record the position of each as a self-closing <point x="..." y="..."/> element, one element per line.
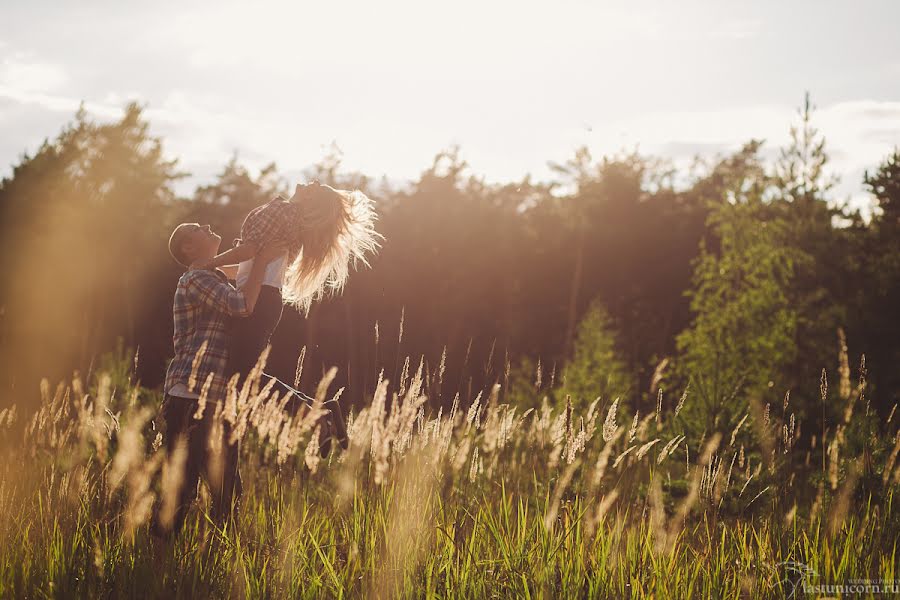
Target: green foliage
<point x="526" y="384"/>
<point x="827" y="273"/>
<point x="884" y="185"/>
<point x="84" y="226"/>
<point x="478" y="266"/>
<point x="595" y="369"/>
<point x="743" y="332"/>
<point x="880" y="295"/>
<point x="800" y="175"/>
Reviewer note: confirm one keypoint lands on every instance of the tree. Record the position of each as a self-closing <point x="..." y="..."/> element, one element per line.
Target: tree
<point x="742" y="335"/>
<point x="225" y="203"/>
<point x="84" y="221"/>
<point x="800" y="175"/>
<point x="596" y="369"/>
<point x="822" y="233"/>
<point x="880" y="296"/>
<point x="611" y="184"/>
<point x="884" y="185"/>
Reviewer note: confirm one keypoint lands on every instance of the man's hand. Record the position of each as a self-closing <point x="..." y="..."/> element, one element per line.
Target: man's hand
<point x="270" y="252"/>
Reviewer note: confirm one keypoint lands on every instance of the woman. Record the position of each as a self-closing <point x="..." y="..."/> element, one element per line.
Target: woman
<point x="326" y="231"/>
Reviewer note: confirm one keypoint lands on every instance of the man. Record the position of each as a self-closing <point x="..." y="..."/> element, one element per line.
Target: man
<point x="204" y="304"/>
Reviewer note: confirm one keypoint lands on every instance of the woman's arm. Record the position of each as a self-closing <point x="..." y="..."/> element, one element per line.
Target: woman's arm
<point x="245" y="251"/>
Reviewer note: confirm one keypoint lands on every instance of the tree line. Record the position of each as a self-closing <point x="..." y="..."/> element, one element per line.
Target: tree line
<point x="744" y="279"/>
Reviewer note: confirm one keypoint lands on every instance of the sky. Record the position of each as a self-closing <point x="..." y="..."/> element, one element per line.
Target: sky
<point x="513" y="84"/>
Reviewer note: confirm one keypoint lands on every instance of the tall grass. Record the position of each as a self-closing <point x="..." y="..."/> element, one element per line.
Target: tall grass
<point x="482" y="500"/>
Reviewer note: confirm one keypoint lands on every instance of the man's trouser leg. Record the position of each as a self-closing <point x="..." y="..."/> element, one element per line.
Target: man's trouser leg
<point x="185" y="447"/>
<point x="223" y="474"/>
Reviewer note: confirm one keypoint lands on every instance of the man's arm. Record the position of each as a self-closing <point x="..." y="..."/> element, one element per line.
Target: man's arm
<point x="206" y="288"/>
<point x="219" y="295"/>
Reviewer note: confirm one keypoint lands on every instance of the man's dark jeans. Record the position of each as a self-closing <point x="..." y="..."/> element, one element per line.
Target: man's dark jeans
<point x="206" y="454"/>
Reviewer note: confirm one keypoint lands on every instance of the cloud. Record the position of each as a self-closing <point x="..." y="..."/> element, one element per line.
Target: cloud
<point x="687" y="149"/>
<point x="890" y="137"/>
<point x="19" y="72"/>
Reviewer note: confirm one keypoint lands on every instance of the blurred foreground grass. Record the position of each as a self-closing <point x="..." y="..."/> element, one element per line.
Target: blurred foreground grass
<point x="483" y="500"/>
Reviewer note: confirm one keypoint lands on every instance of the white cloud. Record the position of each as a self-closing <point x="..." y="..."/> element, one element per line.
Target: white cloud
<point x="514" y="83"/>
<point x="21" y="73"/>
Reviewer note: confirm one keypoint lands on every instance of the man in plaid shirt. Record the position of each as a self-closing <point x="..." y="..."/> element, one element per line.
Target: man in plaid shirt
<point x="204" y="303"/>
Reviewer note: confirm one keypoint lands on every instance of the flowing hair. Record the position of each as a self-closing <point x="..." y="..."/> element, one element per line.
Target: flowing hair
<point x="338" y="232"/>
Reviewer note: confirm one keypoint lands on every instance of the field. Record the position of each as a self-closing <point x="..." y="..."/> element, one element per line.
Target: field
<point x="486" y="499"/>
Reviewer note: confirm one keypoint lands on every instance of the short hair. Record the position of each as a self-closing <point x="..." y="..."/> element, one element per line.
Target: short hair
<point x="176" y="246"/>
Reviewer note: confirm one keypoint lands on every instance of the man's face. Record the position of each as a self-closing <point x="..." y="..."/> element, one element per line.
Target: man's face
<point x="200" y="241"/>
<point x="305" y="191"/>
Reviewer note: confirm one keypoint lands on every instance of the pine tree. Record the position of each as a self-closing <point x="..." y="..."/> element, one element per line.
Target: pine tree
<point x="596" y="369"/>
<point x="742" y="335"/>
<point x="884" y="185"/>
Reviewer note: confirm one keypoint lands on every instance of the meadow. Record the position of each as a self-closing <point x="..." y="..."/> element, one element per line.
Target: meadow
<point x="487" y="499"/>
<point x="619" y="290"/>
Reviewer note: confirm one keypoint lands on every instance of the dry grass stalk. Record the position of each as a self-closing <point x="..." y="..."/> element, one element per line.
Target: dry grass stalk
<point x="408" y="530"/>
<point x="681" y="401"/>
<point x="602" y="509"/>
<point x="622" y="456"/>
<point x="843" y="366"/>
<point x="677" y="522"/>
<point x="737" y="429"/>
<point x="298" y="372"/>
<point x="172" y="480"/>
<point x="889" y="465"/>
<point x="204" y="393"/>
<point x="841" y="503"/>
<point x="561" y="484"/>
<point x="311" y="456"/>
<point x="195" y="366"/>
<point x="669" y="448"/>
<point x="659" y="398"/>
<point x="599" y="469"/>
<point x="658" y="373"/>
<point x="140" y="498"/>
<point x="130" y="451"/>
<point x="609" y="425"/>
<point x="643" y="450"/>
<point x="657" y="516"/>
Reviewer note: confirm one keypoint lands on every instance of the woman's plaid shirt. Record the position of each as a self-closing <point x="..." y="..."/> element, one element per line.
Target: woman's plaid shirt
<point x="204" y="300"/>
<point x="276" y="221"/>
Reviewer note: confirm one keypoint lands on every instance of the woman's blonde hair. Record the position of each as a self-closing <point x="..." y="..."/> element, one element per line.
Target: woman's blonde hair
<point x="338" y="231"/>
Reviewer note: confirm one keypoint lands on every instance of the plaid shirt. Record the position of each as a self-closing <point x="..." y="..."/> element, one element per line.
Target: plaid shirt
<point x="275" y="221"/>
<point x="204" y="300"/>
